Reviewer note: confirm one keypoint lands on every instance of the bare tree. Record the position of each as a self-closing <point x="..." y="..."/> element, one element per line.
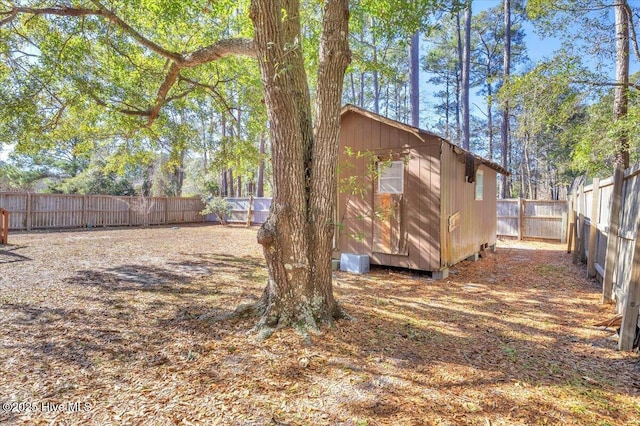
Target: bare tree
<point x="414" y="78"/>
<point x="504" y="126"/>
<point x="466" y="67"/>
<point x="621" y="94"/>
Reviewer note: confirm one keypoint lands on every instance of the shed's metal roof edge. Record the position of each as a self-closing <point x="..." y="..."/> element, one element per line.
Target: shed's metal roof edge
<point x="417" y="131"/>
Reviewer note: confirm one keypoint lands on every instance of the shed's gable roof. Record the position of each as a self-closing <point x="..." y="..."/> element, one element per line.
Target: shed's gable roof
<point x="419" y="133"/>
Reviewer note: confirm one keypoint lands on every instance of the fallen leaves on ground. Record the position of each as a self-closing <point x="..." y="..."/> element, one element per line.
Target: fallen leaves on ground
<point x="114" y="327"/>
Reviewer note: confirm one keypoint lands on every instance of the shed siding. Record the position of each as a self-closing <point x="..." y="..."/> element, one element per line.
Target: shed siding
<point x="428" y="232"/>
<point x="422" y="183"/>
<point x="477" y="218"/>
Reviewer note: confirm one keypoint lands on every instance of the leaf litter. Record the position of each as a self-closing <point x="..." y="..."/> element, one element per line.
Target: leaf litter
<point x="114" y="326"/>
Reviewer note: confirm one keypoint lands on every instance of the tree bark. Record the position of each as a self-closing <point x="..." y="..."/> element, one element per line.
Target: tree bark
<point x="621" y="94"/>
<point x="490" y="120"/>
<point x="298" y="232"/>
<point x="297" y="237"/>
<point x="260" y="189"/>
<point x="223" y="184"/>
<point x="466" y="63"/>
<point x="376" y="82"/>
<point x="414" y="77"/>
<point x="504" y="126"/>
<point x="231" y="190"/>
<point x="447" y="131"/>
<point x="458" y="78"/>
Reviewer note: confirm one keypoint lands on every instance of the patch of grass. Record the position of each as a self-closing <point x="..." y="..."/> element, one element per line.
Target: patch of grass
<point x="551" y="271"/>
<point x="577" y="408"/>
<point x="382" y="302"/>
<point x="510" y="352"/>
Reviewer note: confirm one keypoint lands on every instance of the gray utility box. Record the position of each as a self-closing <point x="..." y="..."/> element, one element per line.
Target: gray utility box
<point x="358" y="263"/>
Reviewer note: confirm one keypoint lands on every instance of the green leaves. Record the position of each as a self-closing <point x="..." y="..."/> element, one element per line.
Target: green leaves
<point x="396" y="17"/>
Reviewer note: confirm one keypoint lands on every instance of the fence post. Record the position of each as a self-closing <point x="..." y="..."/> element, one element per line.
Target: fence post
<point x="27" y="219"/>
<point x="2" y="198"/>
<point x="578" y="254"/>
<point x="4" y="226"/>
<point x="250" y="210"/>
<point x="593" y="229"/>
<point x="520" y="218"/>
<point x="571" y="219"/>
<point x="130" y="204"/>
<point x="632" y="303"/>
<point x="84" y="212"/>
<point x="611" y="258"/>
<point x="583" y="224"/>
<point x="166" y="209"/>
<point x="575" y="228"/>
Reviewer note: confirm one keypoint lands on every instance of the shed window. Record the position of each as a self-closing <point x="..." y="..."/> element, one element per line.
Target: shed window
<point x="391" y="177"/>
<point x="479" y="184"/>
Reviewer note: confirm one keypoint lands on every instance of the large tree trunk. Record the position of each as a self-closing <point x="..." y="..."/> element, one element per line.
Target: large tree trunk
<point x="621" y="96"/>
<point x="223" y="184"/>
<point x="504" y="126"/>
<point x="298" y="233"/>
<point x="376" y="74"/>
<point x="414" y="77"/>
<point x="458" y="78"/>
<point x="466" y="71"/>
<point x="447" y="128"/>
<point x="260" y="189"/>
<point x="490" y="120"/>
<point x="231" y="190"/>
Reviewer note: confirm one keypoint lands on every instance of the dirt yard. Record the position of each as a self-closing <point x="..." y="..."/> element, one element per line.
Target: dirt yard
<point x="104" y="327"/>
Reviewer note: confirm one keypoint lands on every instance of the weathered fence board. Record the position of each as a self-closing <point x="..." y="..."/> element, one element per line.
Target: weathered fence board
<point x="539" y="219"/>
<point x="240" y="209"/>
<point x="611" y="246"/>
<point x="55" y="211"/>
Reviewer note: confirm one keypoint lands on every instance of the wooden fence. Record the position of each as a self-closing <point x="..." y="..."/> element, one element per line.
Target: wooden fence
<point x="604" y="234"/>
<point x="4" y="226"/>
<point x="241" y="208"/>
<point x="533" y="219"/>
<point x="46" y="211"/>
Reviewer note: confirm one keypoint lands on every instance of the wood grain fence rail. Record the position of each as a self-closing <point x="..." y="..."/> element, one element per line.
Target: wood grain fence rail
<point x="54" y="211"/>
<point x="532" y="219"/>
<point x="604" y="223"/>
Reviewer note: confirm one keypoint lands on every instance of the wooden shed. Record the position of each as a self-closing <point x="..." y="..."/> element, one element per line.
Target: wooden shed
<point x="410" y="198"/>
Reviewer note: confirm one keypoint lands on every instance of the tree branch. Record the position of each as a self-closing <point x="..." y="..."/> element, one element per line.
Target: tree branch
<point x="213" y="52"/>
<point x="608" y="84"/>
<point x="101" y="11"/>
<point x="212" y="89"/>
<point x="634" y="38"/>
<point x="210" y="53"/>
<point x="167" y="84"/>
<point x="106" y="13"/>
<point x="10" y="16"/>
<point x="139" y="113"/>
<point x="181" y="95"/>
<point x="218" y="50"/>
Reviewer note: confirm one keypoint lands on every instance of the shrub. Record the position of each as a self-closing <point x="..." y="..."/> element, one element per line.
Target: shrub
<point x="218" y="206"/>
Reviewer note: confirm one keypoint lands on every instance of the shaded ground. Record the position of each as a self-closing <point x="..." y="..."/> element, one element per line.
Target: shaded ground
<point x="102" y="327"/>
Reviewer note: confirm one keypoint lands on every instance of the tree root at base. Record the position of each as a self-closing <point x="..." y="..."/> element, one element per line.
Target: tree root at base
<point x="269" y="322"/>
